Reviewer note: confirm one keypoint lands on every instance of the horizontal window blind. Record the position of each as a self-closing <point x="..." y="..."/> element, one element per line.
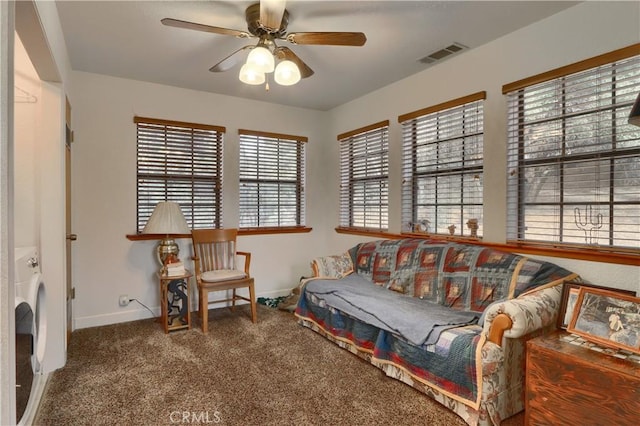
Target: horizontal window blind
<point x="180" y="162"/>
<point x="364" y="177"/>
<point x="442" y="167"/>
<point x="272" y="176"/>
<point x="574" y="161"/>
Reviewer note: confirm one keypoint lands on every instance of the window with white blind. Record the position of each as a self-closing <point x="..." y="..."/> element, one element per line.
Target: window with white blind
<point x="180" y="162"/>
<point x="442" y="166"/>
<point x="272" y="176"/>
<point x="573" y="160"/>
<point x="364" y="177"/>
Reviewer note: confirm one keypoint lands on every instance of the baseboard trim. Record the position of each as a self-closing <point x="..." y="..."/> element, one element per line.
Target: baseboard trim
<point x="140" y="312"/>
<point x="115" y="317"/>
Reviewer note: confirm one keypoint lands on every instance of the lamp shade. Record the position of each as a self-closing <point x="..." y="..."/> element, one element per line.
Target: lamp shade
<point x="634" y="117"/>
<point x="250" y="75"/>
<point x="287" y="73"/>
<point x="261" y="59"/>
<point x="166" y="218"/>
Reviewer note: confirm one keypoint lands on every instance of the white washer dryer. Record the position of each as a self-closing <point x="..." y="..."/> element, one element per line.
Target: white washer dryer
<point x="31" y="332"/>
<point x="30" y="303"/>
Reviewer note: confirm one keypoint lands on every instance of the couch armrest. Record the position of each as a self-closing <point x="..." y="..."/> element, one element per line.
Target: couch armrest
<point x="332" y="266"/>
<point x="500" y="324"/>
<point x="526" y="313"/>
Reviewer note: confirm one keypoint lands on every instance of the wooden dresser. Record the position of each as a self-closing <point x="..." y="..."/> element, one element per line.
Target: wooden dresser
<point x="568" y="384"/>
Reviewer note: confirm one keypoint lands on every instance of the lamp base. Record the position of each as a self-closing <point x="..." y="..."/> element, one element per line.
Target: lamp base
<point x="166" y="248"/>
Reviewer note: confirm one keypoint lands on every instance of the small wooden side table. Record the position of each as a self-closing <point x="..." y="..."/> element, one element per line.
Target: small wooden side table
<point x="174" y="301"/>
<point x="570" y="384"/>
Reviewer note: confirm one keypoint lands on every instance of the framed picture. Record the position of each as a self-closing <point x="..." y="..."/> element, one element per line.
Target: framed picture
<point x="569" y="298"/>
<point x="608" y="318"/>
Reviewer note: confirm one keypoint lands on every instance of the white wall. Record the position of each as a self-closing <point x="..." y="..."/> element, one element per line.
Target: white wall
<point x="578" y="33"/>
<point x="26" y="118"/>
<point x="106" y="263"/>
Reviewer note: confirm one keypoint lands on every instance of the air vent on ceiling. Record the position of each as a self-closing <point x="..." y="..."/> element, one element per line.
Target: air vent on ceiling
<point x="443" y="53"/>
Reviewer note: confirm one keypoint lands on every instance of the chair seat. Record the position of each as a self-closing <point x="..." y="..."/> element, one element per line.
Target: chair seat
<point x="222" y="275"/>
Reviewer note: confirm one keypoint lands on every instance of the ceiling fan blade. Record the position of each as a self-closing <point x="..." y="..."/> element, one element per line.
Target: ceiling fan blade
<point x="286" y="53"/>
<point x="328" y="38"/>
<point x="230" y="61"/>
<point x="170" y="22"/>
<point x="271" y="12"/>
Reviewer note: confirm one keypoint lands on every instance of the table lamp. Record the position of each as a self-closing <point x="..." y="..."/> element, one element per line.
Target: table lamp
<point x="166" y="219"/>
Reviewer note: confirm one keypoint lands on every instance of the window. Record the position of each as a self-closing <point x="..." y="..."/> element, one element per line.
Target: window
<point x="574" y="161"/>
<point x="442" y="167"/>
<point x="272" y="168"/>
<point x="180" y="162"/>
<point x="364" y="177"/>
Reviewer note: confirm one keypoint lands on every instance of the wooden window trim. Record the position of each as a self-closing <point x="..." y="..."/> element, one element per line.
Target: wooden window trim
<point x="479" y="96"/>
<point x="258" y="133"/>
<point x="172" y="139"/>
<point x="586" y="69"/>
<point x="591" y="255"/>
<point x="596" y="61"/>
<point x="384" y="123"/>
<point x="275" y="230"/>
<point x="422" y="130"/>
<point x="241" y="231"/>
<point x="366" y="232"/>
<point x="348" y="137"/>
<point x="145" y="237"/>
<point x="630" y="258"/>
<point x="137" y="119"/>
<point x="299" y="142"/>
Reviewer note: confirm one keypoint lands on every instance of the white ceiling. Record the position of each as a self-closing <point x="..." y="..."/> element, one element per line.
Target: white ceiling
<point x="126" y="39"/>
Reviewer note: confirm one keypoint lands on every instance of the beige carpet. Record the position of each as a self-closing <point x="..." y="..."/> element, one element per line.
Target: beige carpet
<point x="271" y="373"/>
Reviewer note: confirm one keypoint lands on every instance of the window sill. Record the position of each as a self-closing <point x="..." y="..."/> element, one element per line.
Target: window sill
<point x="385" y="234"/>
<point x="592" y="255"/>
<point x="367" y="232"/>
<point x="241" y="231"/>
<point x="144" y="237"/>
<point x="274" y="230"/>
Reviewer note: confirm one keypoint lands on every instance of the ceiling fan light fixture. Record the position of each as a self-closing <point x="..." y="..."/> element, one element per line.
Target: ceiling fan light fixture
<point x="249" y="74"/>
<point x="287" y="73"/>
<point x="268" y="20"/>
<point x="262" y="59"/>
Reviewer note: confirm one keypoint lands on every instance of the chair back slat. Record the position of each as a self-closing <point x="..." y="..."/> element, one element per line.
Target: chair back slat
<point x="215" y="248"/>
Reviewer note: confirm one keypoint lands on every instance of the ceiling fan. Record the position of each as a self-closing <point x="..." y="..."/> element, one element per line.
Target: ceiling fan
<point x="267" y="21"/>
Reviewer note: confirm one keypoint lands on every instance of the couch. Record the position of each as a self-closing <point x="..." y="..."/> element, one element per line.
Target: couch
<point x="449" y="319"/>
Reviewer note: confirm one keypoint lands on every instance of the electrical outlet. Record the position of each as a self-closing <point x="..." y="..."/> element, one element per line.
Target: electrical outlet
<point x="124" y="300"/>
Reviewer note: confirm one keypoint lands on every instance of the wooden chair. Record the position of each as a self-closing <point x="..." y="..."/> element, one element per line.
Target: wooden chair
<point x="215" y="269"/>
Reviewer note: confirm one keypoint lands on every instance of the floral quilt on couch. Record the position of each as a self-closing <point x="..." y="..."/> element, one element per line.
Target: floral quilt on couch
<point x="461" y="278"/>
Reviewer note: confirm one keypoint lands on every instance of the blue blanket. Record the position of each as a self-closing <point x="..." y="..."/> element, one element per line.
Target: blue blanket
<point x="418" y="321"/>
